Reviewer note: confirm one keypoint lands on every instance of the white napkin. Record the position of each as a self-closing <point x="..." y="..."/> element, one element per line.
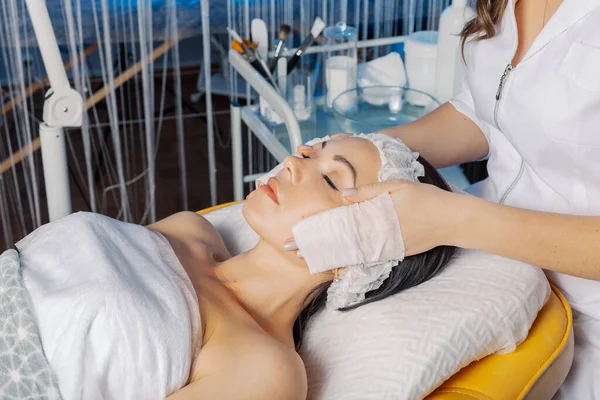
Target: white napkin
<point x="383" y="71"/>
<point x="362" y="233"/>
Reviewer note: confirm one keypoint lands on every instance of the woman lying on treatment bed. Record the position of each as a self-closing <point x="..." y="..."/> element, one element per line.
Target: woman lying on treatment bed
<point x="129" y="312"/>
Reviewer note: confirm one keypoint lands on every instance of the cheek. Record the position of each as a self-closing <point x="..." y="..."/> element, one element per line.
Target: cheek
<point x="309" y="202"/>
<point x="274" y="223"/>
<point x="270" y="222"/>
<point x="306" y="203"/>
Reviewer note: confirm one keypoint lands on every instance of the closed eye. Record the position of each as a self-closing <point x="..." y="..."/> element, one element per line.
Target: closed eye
<point x="325" y="177"/>
<point x="330" y="182"/>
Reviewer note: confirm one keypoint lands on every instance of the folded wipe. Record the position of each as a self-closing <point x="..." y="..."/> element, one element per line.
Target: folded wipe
<point x="364" y="233"/>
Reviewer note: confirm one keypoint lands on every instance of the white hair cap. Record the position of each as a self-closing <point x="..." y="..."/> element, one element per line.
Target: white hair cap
<point x="397" y="160"/>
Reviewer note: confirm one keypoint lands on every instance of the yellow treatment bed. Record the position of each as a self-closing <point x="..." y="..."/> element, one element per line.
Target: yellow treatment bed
<point x="534" y="371"/>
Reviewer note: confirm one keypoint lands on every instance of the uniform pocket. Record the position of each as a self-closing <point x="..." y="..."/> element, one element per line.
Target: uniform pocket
<point x="582" y="66"/>
<point x="571" y="99"/>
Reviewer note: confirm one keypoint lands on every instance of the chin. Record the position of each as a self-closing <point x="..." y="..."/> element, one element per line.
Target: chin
<point x="249" y="212"/>
<point x="256" y="216"/>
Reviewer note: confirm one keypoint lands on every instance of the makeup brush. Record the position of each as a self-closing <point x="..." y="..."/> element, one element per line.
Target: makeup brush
<point x="267" y="72"/>
<point x="237" y="46"/>
<point x="247" y="50"/>
<point x="250" y="44"/>
<point x="260" y="35"/>
<point x="253" y="58"/>
<point x="315" y="31"/>
<point x="284" y="31"/>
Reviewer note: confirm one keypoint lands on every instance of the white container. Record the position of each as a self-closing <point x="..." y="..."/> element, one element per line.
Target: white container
<point x="340" y="63"/>
<point x="340" y="75"/>
<point x="420" y="51"/>
<point x="299" y="94"/>
<point x="450" y="68"/>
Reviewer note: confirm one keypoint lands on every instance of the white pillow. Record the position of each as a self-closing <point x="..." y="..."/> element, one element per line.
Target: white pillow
<point x="407" y="345"/>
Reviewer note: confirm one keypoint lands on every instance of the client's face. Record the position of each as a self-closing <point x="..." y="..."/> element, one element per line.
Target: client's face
<point x="309" y="185"/>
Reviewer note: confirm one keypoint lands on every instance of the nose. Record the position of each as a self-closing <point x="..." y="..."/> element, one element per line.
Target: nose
<point x="293" y="166"/>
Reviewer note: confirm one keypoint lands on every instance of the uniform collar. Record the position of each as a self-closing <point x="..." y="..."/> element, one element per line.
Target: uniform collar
<point x="568" y="13"/>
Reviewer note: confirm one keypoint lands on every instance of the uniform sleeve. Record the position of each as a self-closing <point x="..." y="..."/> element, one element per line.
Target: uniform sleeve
<point x="464" y="104"/>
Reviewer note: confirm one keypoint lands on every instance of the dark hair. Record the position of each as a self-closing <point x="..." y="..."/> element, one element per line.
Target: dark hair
<point x="415" y="270"/>
<point x="483" y="26"/>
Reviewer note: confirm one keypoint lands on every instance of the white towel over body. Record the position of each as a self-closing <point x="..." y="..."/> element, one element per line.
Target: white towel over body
<point x="117" y="315"/>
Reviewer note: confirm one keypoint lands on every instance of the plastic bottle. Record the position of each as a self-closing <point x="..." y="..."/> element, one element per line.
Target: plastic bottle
<point x="452" y="21"/>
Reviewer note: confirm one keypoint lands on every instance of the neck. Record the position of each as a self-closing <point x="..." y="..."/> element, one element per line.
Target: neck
<point x="270" y="285"/>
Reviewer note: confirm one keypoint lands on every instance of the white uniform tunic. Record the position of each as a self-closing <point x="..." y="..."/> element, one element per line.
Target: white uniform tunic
<point x="542" y="121"/>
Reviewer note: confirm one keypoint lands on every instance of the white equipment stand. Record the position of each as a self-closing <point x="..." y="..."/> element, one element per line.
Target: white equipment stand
<point x="63" y="108"/>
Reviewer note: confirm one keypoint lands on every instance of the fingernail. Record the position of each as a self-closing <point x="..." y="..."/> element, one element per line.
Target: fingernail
<point x="290" y="245"/>
<point x="305" y="148"/>
<point x="349" y="192"/>
<point x="299" y="255"/>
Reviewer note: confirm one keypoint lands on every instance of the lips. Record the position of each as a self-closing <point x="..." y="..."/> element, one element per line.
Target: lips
<point x="270" y="189"/>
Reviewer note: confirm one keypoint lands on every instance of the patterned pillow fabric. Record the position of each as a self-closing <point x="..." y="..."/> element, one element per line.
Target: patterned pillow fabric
<point x="24" y="370"/>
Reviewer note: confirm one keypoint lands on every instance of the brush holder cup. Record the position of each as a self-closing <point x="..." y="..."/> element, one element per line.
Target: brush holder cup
<point x="297" y="92"/>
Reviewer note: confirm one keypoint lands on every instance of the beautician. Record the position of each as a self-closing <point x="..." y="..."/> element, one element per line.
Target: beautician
<point x="530" y="104"/>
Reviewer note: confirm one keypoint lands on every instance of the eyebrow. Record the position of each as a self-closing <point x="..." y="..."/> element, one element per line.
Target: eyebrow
<point x="345" y="161"/>
<point x="342" y="160"/>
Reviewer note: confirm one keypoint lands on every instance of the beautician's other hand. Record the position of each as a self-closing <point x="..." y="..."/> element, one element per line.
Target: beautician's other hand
<point x="428" y="216"/>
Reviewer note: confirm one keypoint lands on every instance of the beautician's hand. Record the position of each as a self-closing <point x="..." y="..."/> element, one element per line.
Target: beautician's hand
<point x="428" y="216"/>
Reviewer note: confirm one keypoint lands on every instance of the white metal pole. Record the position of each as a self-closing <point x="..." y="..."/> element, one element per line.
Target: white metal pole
<point x="63" y="108"/>
<point x="236" y="152"/>
<point x="56" y="177"/>
<point x="263" y="133"/>
<point x="48" y="46"/>
<point x="270" y="95"/>
<point x="212" y="166"/>
<point x="361" y="44"/>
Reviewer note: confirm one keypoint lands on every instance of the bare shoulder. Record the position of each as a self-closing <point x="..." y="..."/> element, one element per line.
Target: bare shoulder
<point x="187" y="226"/>
<point x="252" y="366"/>
<point x="276" y="372"/>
